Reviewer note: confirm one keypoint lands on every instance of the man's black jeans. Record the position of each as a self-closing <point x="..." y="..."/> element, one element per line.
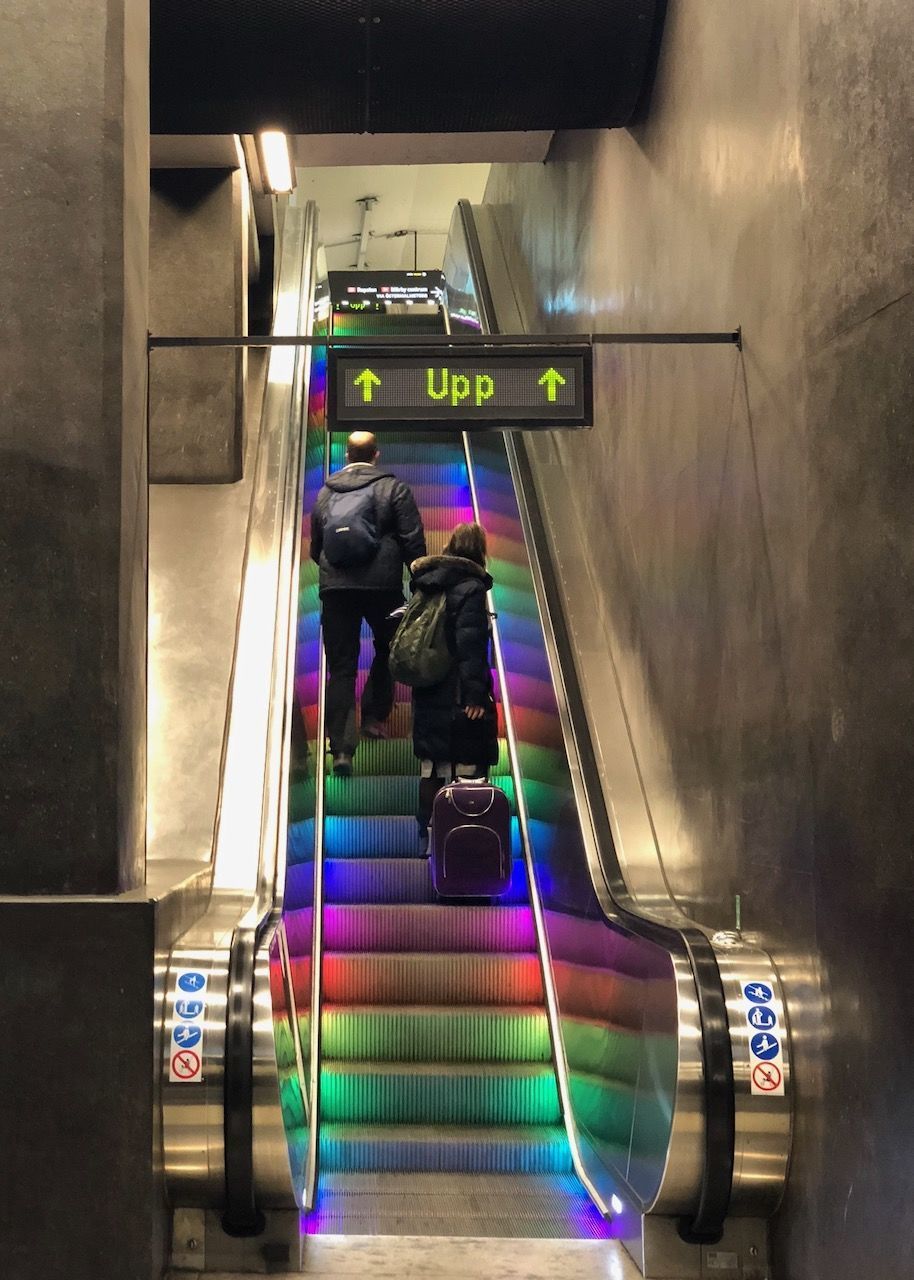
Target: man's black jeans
<point x="341" y="618"/>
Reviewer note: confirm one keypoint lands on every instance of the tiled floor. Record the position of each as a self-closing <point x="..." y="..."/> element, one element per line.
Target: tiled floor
<point x="440" y="1258"/>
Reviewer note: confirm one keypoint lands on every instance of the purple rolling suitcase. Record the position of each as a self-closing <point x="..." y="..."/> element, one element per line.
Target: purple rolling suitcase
<point x="471" y="841"/>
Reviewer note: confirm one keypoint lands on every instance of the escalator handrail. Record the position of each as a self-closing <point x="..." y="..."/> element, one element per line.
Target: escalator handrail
<point x="241" y="1214"/>
<point x="706" y="1222"/>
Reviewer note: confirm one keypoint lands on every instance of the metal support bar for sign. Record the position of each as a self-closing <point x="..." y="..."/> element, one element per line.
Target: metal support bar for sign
<point x="731" y="337"/>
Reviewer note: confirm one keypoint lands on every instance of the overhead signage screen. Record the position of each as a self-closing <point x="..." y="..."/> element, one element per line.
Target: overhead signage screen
<point x="376" y="290"/>
<point x="532" y="387"/>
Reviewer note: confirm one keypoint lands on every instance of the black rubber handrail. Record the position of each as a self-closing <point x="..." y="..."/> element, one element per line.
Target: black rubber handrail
<point x="706" y="1223"/>
<point x="241" y="1216"/>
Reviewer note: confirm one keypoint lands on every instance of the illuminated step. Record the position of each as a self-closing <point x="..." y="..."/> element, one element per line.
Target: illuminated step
<point x="391" y="756"/>
<point x="402" y="693"/>
<point x="437" y="1093"/>
<point x="372" y="796"/>
<point x="412" y="450"/>
<point x="428" y="927"/>
<point x="443" y="518"/>
<point x="453" y="491"/>
<point x="432" y="1033"/>
<point x="399" y="725"/>
<point x="423" y="978"/>
<point x="444" y="1149"/>
<point x="437" y="539"/>
<point x="406" y="880"/>
<point x="378" y="796"/>
<point x="394" y="756"/>
<point x="387" y="837"/>
<point x="450" y="470"/>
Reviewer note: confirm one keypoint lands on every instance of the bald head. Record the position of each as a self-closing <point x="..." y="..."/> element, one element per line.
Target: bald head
<point x="361" y="447"/>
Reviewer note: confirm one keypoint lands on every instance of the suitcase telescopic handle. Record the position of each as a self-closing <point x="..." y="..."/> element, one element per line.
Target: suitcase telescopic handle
<point x="471" y="814"/>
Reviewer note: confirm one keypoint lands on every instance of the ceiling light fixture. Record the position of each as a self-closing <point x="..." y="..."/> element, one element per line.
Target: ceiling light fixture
<point x="276" y="161"/>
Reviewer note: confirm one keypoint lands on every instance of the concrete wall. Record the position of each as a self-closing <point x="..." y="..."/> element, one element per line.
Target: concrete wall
<point x="736" y="533"/>
<point x="198" y="286"/>
<point x="74" y="177"/>
<point x="82" y="1197"/>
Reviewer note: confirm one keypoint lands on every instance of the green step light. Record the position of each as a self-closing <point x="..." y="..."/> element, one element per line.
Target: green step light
<point x="435" y="1035"/>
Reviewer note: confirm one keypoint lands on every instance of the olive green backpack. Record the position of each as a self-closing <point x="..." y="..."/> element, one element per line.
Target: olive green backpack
<point x="419" y="654"/>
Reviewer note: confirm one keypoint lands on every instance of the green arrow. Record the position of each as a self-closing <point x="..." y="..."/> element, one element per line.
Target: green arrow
<point x="368" y="380"/>
<point x="550" y="380"/>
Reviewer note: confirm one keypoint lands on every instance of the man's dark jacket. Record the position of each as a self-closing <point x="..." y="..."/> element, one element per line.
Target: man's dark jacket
<point x="441" y="732"/>
<point x="399" y="525"/>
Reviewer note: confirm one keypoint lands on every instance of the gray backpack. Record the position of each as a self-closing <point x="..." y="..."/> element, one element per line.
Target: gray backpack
<point x="419" y="654"/>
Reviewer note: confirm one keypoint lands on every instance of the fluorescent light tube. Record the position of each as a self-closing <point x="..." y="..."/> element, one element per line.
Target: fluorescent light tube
<point x="274" y="151"/>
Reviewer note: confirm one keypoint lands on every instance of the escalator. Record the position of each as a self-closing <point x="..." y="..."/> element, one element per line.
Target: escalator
<point x="439" y="1109"/>
<point x="562" y="1063"/>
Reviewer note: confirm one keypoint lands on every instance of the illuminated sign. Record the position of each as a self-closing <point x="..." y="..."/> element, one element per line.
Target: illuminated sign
<point x="376" y="290"/>
<point x="464" y="386"/>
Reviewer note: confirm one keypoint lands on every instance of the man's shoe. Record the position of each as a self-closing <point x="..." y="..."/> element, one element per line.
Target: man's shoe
<point x="374" y="729"/>
<point x="424" y="842"/>
<point x="342" y="765"/>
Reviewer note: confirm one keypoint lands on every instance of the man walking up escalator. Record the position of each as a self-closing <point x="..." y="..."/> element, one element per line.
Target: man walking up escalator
<point x="365" y="527"/>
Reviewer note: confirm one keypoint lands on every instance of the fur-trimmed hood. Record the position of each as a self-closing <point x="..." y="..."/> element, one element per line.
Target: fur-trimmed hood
<point x="441" y="573"/>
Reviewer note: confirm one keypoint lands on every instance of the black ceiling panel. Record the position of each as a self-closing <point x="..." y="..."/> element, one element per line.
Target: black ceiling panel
<point x="397" y="66"/>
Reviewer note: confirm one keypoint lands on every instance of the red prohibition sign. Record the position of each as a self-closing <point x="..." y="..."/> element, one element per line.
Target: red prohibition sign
<point x="185" y="1064"/>
<point x="766" y="1076"/>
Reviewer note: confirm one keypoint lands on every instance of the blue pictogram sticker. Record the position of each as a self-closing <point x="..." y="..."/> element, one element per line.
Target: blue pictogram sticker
<point x="186" y="1036"/>
<point x="192" y="982"/>
<point x="188" y="1009"/>
<point x="758" y="993"/>
<point x="764" y="1046"/>
<point x="761" y="1017"/>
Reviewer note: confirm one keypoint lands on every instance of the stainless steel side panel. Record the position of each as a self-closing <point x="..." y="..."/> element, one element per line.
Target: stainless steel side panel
<point x="762" y="1123"/>
<point x="249" y="847"/>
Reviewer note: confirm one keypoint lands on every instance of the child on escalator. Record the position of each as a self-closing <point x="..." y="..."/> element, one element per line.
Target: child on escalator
<point x="455" y="728"/>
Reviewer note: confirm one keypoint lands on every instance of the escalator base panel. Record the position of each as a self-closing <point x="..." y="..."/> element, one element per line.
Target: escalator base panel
<point x="541" y="1207"/>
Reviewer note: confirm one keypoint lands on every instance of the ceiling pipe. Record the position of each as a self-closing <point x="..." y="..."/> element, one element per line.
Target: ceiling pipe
<point x="367" y="203"/>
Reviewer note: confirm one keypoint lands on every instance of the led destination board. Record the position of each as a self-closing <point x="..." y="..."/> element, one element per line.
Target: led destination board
<point x="535" y="387"/>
